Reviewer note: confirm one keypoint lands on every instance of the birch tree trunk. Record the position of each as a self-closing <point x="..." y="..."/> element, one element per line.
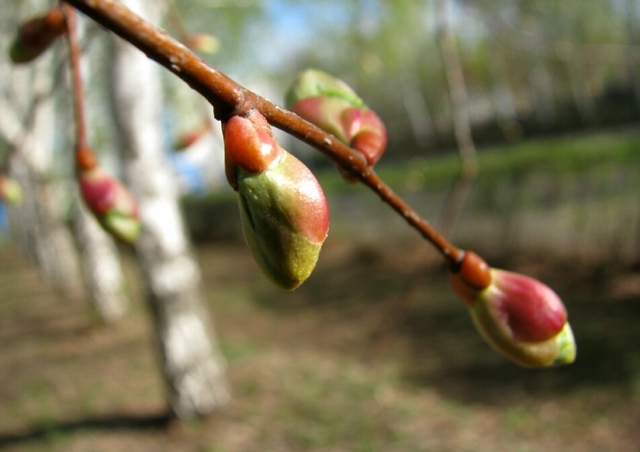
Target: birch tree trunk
<point x="27" y="111"/>
<point x="101" y="267"/>
<point x="194" y="370"/>
<point x="100" y="263"/>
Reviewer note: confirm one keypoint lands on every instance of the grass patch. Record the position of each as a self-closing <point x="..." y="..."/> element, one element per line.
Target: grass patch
<point x="559" y="156"/>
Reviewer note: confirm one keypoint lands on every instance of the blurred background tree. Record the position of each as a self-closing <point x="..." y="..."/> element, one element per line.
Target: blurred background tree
<point x="532" y="69"/>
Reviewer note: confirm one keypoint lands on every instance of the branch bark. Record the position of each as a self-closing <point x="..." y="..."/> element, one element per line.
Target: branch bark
<point x="229" y="98"/>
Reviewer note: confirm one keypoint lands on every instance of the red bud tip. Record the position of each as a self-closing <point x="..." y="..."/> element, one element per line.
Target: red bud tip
<point x="248" y="144"/>
<point x="366" y="132"/>
<point x="371" y="144"/>
<point x="532" y="310"/>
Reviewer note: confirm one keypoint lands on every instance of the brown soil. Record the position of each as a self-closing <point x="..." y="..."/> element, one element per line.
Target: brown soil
<point x="372" y="353"/>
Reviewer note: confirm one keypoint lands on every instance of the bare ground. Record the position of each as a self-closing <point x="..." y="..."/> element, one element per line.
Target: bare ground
<point x="372" y="353"/>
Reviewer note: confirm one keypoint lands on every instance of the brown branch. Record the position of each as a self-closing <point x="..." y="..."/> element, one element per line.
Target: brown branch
<point x="229" y="98"/>
<point x="78" y="90"/>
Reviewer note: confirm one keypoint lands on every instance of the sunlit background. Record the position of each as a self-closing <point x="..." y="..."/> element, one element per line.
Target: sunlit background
<point x="373" y="353"/>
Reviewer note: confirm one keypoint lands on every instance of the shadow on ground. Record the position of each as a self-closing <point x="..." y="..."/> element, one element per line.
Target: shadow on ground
<point x="430" y="331"/>
<point x="112" y="423"/>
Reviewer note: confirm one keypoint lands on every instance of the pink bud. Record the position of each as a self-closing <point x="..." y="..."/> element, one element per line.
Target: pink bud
<point x="366" y="132"/>
<point x="532" y="311"/>
<point x="110" y="201"/>
<point x="518" y="315"/>
<point x="333" y="106"/>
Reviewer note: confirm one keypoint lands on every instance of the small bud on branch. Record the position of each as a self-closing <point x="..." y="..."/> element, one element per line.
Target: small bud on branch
<point x="519" y="316"/>
<point x="332" y="105"/>
<point x="112" y="204"/>
<point x="35" y="36"/>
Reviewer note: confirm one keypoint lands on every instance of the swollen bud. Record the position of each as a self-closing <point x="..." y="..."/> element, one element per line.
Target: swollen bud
<point x="284" y="213"/>
<point x="111" y="202"/>
<point x="202" y="42"/>
<point x="519" y="316"/>
<point x="35" y="36"/>
<point x="332" y="105"/>
<point x="10" y="190"/>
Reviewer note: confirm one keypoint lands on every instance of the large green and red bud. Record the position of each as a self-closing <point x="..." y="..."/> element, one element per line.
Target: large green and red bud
<point x="284" y="212"/>
<point x="518" y="315"/>
<point x="107" y="198"/>
<point x="332" y="105"/>
<point x="10" y="190"/>
<point x="35" y="36"/>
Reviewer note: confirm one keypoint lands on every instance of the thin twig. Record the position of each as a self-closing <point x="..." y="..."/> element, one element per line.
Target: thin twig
<point x="78" y="91"/>
<point x="454" y="203"/>
<point x="229" y="98"/>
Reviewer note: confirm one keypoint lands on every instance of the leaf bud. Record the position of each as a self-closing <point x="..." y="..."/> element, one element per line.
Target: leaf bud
<point x="332" y="105"/>
<point x="35" y="36"/>
<point x="111" y="202"/>
<point x="518" y="315"/>
<point x="284" y="212"/>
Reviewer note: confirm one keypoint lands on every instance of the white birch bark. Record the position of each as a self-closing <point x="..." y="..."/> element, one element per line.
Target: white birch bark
<point x="38" y="223"/>
<point x="193" y="368"/>
<point x="101" y="266"/>
<point x="100" y="263"/>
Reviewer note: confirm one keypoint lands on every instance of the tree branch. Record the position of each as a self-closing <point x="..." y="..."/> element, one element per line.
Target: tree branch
<point x="78" y="90"/>
<point x="229" y="98"/>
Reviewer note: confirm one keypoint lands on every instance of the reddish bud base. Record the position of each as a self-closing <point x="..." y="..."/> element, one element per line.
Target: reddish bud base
<point x="248" y="144"/>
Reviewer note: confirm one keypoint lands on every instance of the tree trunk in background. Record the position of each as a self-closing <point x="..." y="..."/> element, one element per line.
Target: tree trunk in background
<point x="38" y="223"/>
<point x="101" y="267"/>
<point x="38" y="226"/>
<point x="459" y="192"/>
<point x="193" y="368"/>
<point x="417" y="110"/>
